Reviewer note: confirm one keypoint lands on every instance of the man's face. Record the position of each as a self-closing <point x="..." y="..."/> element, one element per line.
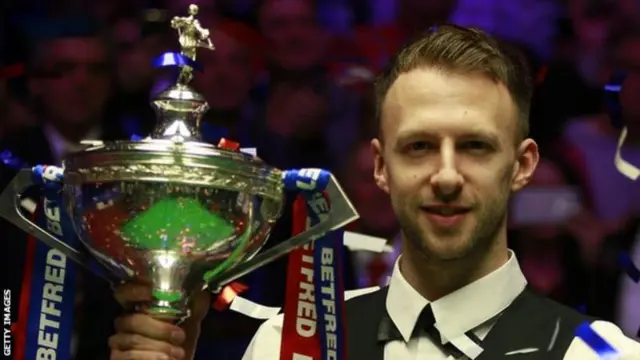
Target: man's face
<point x="226" y="80"/>
<point x="74" y="82"/>
<point x="135" y="53"/>
<point x="448" y="160"/>
<point x="295" y="40"/>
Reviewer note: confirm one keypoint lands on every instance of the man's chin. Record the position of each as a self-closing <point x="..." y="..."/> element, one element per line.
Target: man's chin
<point x="447" y="249"/>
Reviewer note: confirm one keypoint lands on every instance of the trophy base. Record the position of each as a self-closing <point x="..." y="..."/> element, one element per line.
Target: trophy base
<point x="166" y="306"/>
<point x="167" y="314"/>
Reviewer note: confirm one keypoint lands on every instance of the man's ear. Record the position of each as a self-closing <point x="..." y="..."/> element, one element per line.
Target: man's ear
<point x="526" y="164"/>
<point x="379" y="166"/>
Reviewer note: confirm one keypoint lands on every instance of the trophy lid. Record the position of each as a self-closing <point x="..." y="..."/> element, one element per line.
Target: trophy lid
<point x="174" y="151"/>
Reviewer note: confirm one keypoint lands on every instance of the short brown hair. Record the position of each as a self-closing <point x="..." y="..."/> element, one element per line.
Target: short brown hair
<point x="458" y="49"/>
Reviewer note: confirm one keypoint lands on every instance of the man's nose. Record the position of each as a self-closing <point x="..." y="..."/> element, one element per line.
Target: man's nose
<point x="447" y="181"/>
<point x="81" y="76"/>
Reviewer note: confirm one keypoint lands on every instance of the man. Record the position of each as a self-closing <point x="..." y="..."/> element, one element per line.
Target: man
<point x="511" y="22"/>
<point x="137" y="42"/>
<point x="452" y="147"/>
<point x="367" y="268"/>
<point x="629" y="294"/>
<point x="616" y="199"/>
<point x="227" y="81"/>
<point x="378" y="43"/>
<point x="298" y="116"/>
<point x="14" y="115"/>
<point x="69" y="81"/>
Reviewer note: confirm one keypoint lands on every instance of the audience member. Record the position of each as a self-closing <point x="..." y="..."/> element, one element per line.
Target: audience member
<point x="615" y="198"/>
<point x="627" y="314"/>
<point x="529" y="23"/>
<point x="613" y="294"/>
<point x="299" y="117"/>
<point x="376" y="218"/>
<point x="228" y="78"/>
<point x="547" y="248"/>
<point x="14" y="115"/>
<point x="378" y="43"/>
<point x="138" y="40"/>
<point x="69" y="72"/>
<point x="70" y="84"/>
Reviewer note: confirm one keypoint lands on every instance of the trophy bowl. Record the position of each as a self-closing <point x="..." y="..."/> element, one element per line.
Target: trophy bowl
<point x="170" y="214"/>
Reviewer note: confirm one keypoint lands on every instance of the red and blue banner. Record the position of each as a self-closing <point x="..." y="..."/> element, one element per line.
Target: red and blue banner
<point x="313" y="327"/>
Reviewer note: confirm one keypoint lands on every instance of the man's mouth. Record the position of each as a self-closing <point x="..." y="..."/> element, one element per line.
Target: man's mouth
<point x="445" y="216"/>
<point x="446" y="210"/>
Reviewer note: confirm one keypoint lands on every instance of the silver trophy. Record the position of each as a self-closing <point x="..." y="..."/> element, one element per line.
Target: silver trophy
<point x="170" y="210"/>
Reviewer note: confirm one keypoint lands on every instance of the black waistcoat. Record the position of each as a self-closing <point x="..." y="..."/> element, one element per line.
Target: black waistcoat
<point x="529" y="322"/>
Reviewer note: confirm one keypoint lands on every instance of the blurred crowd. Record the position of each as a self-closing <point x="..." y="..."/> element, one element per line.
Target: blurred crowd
<point x="293" y="78"/>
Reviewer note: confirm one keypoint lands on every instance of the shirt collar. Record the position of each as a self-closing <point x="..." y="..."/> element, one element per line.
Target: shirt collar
<point x="460" y="311"/>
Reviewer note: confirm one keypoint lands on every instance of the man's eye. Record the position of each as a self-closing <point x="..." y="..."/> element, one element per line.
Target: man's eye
<point x="475" y="146"/>
<point x="419" y="147"/>
<point x="57" y="70"/>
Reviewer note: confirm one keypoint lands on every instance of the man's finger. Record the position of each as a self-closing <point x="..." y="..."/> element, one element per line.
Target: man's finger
<point x="138" y="355"/>
<point x="124" y="342"/>
<point x="149" y="327"/>
<point x="129" y="293"/>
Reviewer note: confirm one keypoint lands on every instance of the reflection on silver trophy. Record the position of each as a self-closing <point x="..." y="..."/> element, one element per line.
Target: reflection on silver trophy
<point x="170" y="210"/>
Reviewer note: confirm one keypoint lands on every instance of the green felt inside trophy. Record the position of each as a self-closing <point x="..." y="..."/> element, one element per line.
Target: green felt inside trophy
<point x="167" y="295"/>
<point x="169" y="221"/>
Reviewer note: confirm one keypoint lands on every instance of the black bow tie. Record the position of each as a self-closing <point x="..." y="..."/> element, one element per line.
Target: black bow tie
<point x="388" y="331"/>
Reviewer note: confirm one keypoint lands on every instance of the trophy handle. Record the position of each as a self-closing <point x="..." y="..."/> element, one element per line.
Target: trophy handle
<point x="341" y="213"/>
<point x="10" y="210"/>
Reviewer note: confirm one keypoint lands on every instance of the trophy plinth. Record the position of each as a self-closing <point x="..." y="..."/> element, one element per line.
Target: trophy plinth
<point x="169" y="210"/>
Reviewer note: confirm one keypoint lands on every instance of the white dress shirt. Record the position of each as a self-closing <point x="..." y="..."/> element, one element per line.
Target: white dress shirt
<point x="473" y="307"/>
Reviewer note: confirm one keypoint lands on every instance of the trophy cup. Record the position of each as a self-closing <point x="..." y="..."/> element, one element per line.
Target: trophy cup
<point x="170" y="210"/>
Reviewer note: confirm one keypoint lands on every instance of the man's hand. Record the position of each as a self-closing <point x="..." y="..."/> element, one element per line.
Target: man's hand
<point x="141" y="337"/>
